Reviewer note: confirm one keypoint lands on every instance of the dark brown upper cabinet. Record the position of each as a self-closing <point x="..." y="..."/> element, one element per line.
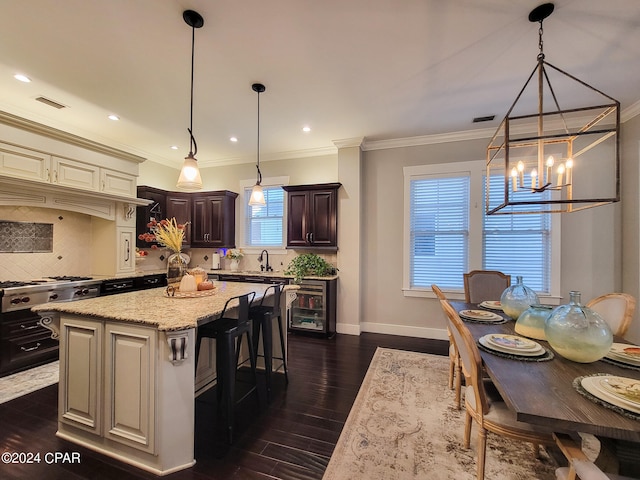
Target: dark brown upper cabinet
<point x="312" y="217"/>
<point x="213" y="219"/>
<point x="157" y="210"/>
<point x="179" y="206"/>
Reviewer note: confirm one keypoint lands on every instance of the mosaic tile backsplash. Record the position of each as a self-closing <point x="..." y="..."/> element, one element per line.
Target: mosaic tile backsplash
<point x="70" y="253"/>
<point x="25" y="237"/>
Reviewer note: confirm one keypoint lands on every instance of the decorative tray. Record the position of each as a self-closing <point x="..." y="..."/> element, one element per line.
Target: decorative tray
<point x="173" y="292"/>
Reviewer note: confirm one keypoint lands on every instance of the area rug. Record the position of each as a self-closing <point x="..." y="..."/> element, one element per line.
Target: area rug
<point x="404" y="425"/>
<point x="21" y="383"/>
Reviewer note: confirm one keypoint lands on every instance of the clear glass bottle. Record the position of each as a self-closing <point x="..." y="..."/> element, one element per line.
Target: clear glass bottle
<point x="532" y="321"/>
<point x="517" y="298"/>
<point x="578" y="333"/>
<point x="176" y="268"/>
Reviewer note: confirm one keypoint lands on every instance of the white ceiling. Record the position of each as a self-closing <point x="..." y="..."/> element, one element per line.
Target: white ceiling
<point x="378" y="69"/>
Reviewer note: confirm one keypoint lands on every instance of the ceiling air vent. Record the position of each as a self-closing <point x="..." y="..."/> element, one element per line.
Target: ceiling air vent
<point x="50" y="102"/>
<point x="488" y="118"/>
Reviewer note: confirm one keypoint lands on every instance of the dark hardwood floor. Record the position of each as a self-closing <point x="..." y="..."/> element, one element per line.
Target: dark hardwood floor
<point x="291" y="437"/>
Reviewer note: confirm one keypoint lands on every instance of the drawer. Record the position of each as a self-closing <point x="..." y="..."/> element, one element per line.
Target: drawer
<point x="21" y="325"/>
<point x="28" y="350"/>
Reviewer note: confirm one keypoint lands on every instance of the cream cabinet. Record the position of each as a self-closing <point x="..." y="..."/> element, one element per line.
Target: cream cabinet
<point x="107" y="380"/>
<point x="71" y="173"/>
<point x="81" y="377"/>
<point x="23" y="163"/>
<point x="126" y="248"/>
<point x="117" y="183"/>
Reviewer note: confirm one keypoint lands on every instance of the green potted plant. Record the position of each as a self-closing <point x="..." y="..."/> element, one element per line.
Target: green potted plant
<point x="309" y="264"/>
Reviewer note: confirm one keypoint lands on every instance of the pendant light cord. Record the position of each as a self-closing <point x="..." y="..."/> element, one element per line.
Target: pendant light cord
<point x="259" y="178"/>
<point x="193" y="146"/>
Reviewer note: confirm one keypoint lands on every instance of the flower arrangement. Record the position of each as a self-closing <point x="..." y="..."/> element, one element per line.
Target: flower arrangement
<point x="234" y="254"/>
<point x="168" y="233"/>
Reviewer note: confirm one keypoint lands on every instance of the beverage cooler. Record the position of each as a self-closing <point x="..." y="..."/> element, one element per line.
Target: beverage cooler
<point x="314" y="309"/>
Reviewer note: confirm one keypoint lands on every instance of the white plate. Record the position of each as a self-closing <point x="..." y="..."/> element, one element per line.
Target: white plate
<point x="481" y="315"/>
<point x="513" y="342"/>
<point x="617" y="352"/>
<point x="627" y="389"/>
<point x="491" y="304"/>
<point x="484" y="341"/>
<point x="594" y="386"/>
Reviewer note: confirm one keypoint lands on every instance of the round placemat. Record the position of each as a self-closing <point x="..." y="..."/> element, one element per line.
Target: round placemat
<point x="548" y="354"/>
<point x="577" y="384"/>
<point x="481" y="322"/>
<point x="620" y="364"/>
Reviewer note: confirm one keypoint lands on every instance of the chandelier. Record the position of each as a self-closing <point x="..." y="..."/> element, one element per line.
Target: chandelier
<point x="556" y="160"/>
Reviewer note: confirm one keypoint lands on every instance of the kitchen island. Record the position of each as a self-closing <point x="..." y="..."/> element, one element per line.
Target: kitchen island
<point x="127" y="372"/>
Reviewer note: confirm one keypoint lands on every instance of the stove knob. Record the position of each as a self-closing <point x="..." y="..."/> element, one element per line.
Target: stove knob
<point x="15" y="301"/>
<point x="85" y="291"/>
<point x="53" y="296"/>
<point x="26" y="299"/>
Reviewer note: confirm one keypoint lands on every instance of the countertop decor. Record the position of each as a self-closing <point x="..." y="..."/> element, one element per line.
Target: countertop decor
<point x="309" y="264"/>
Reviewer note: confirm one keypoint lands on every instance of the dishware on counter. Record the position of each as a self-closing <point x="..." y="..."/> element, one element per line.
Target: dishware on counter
<point x="491" y="305"/>
<point x="517" y="298"/>
<point x="578" y="333"/>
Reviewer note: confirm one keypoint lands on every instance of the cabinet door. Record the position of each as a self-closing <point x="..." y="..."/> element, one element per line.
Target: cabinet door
<point x="213" y="220"/>
<point x="130" y="385"/>
<point x="297" y="219"/>
<point x="117" y="183"/>
<point x="23" y="163"/>
<point x="125" y="249"/>
<point x="179" y="206"/>
<point x="202" y="221"/>
<point x="323" y="228"/>
<point x="80" y="389"/>
<point x="70" y="173"/>
<point x="154" y="211"/>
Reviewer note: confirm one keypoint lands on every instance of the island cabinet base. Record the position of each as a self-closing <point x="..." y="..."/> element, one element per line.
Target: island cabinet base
<point x="127" y="391"/>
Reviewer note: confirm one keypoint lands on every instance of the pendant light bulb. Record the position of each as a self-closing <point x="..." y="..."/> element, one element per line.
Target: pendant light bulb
<point x="257" y="193"/>
<point x="190" y="179"/>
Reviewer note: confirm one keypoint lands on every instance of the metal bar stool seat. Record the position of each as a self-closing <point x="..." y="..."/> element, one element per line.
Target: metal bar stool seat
<point x="262" y="317"/>
<point x="228" y="333"/>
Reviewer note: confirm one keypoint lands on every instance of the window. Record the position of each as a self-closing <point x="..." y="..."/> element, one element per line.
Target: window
<point x="263" y="226"/>
<point x="447" y="233"/>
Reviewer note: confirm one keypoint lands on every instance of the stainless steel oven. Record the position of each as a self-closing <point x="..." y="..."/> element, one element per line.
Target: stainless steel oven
<point x="24" y="343"/>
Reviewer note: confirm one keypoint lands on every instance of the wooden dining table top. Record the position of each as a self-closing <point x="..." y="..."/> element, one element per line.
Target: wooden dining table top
<point x="543" y="393"/>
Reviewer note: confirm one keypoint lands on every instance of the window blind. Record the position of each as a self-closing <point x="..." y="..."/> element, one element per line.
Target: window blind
<point x="439" y="231"/>
<point x="264" y="224"/>
<point x="519" y="244"/>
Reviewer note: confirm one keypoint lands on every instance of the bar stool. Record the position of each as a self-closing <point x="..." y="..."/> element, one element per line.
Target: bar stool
<point x="228" y="333"/>
<point x="262" y="317"/>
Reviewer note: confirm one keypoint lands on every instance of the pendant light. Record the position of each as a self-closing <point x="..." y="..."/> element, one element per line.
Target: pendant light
<point x="257" y="194"/>
<point x="190" y="179"/>
<point x="556" y="160"/>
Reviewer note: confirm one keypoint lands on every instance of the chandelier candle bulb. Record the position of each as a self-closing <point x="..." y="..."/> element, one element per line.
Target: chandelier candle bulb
<point x="514" y="179"/>
<point x="534" y="176"/>
<point x="550" y="162"/>
<point x="569" y="168"/>
<point x="560" y="174"/>
<point x="521" y="173"/>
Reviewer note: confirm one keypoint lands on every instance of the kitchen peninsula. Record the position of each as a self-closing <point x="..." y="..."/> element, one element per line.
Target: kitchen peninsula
<point x="127" y="372"/>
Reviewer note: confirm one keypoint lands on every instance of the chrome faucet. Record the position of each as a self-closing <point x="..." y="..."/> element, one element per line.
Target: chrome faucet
<point x="265" y="268"/>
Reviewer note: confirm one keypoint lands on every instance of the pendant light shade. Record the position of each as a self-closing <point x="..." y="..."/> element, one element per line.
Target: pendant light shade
<point x="554" y="159"/>
<point x="257" y="194"/>
<point x="190" y="179"/>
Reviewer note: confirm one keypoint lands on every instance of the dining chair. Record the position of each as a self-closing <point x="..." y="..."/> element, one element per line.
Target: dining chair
<point x="481" y="285"/>
<point x="455" y="373"/>
<point x="616" y="309"/>
<point x="580" y="467"/>
<point x="483" y="403"/>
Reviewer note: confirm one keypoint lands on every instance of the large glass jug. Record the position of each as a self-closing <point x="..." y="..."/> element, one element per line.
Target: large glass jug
<point x="532" y="321"/>
<point x="517" y="298"/>
<point x="578" y="333"/>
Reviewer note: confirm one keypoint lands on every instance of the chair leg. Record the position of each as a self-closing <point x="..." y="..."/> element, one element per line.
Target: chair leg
<point x="226" y="380"/>
<point x="283" y="349"/>
<point x="458" y="386"/>
<point x="468" y="421"/>
<point x="482" y="452"/>
<point x="452" y="369"/>
<point x="267" y="346"/>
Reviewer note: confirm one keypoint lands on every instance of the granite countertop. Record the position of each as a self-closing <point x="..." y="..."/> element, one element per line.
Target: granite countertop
<point x="153" y="308"/>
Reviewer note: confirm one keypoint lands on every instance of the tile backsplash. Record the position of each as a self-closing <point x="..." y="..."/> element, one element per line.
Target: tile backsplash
<point x="25" y="237"/>
<point x="70" y="252"/>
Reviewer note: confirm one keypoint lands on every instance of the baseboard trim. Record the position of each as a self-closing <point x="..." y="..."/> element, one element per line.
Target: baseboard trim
<point x="391" y="329"/>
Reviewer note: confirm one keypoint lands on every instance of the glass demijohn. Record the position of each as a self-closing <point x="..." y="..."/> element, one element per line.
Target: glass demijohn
<point x="517" y="298"/>
<point x="578" y="333"/>
<point x="531" y="322"/>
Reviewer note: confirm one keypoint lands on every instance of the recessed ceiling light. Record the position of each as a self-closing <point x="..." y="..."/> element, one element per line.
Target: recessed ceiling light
<point x="174" y="147"/>
<point x="114" y="117"/>
<point x="22" y="78"/>
<point x="306" y="129"/>
<point x="233" y="139"/>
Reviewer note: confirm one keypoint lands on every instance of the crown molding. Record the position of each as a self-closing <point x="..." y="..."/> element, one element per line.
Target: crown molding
<point x="630" y="112"/>
<point x="46" y="131"/>
<point x="349" y="142"/>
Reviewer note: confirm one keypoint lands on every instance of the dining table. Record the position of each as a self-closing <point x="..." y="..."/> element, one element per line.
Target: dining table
<point x="544" y="392"/>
